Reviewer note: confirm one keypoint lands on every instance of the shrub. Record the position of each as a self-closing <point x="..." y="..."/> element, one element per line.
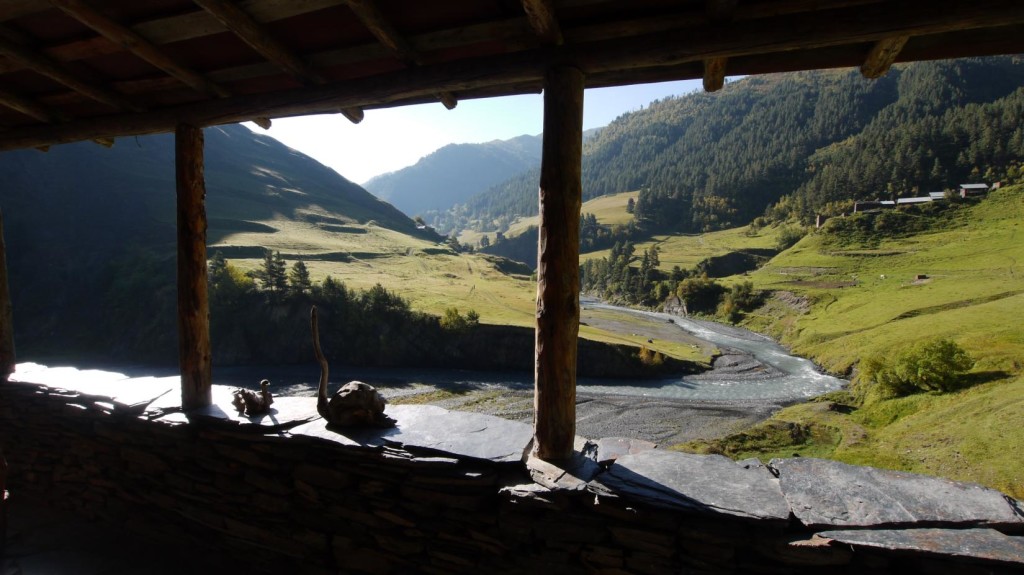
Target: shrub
<point x="930" y="365"/>
<point x="788" y="237"/>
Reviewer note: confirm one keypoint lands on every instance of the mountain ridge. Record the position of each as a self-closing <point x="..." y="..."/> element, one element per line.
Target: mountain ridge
<point x="451" y="174"/>
<point x="84" y="223"/>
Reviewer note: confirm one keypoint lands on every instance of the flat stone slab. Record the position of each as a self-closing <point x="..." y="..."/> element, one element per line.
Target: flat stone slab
<point x="611" y="448"/>
<point x="430" y="427"/>
<point x="285" y="412"/>
<point x="826" y="493"/>
<point x="130" y="395"/>
<point x="983" y="544"/>
<point x="710" y="484"/>
<point x="571" y="475"/>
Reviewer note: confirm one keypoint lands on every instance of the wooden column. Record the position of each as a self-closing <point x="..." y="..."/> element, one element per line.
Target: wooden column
<point x="194" y="356"/>
<point x="6" y="315"/>
<point x="558" y="258"/>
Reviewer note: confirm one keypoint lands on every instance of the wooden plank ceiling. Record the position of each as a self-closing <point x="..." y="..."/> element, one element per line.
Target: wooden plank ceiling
<point x="96" y="69"/>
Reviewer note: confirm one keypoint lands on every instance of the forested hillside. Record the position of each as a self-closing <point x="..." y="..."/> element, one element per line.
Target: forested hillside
<point x="90" y="231"/>
<point x="455" y="173"/>
<point x="710" y="161"/>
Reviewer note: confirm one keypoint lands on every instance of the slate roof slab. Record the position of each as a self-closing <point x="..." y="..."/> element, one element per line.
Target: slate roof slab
<point x="710" y="484"/>
<point x="826" y="493"/>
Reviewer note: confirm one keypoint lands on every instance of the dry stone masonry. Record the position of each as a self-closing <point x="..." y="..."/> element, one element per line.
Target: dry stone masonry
<point x="451" y="492"/>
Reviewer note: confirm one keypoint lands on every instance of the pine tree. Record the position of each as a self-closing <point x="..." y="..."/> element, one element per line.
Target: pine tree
<point x="298" y="277"/>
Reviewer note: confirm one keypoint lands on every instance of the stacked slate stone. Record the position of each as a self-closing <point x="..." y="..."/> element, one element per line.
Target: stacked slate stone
<point x="450" y="492"/>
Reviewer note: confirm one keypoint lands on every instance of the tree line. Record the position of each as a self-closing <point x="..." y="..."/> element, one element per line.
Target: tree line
<point x="263" y="316"/>
<point x="785" y="146"/>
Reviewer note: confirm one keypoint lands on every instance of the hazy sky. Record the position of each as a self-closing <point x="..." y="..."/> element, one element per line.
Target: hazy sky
<point x="391" y="139"/>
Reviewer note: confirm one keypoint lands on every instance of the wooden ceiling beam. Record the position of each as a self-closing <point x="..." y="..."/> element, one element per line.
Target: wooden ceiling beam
<point x="43" y="65"/>
<point x="378" y="25"/>
<point x="374" y="21"/>
<point x="182" y="27"/>
<point x="132" y="42"/>
<point x="27" y="107"/>
<point x="752" y="47"/>
<point x="257" y="37"/>
<point x="719" y="11"/>
<point x="882" y="55"/>
<point x="714" y="74"/>
<point x="541" y="15"/>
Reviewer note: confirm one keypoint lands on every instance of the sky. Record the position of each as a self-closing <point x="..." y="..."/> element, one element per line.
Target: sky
<point x="391" y="139"/>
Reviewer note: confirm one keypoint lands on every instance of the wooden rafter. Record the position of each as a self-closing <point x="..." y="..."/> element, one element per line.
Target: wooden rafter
<point x="259" y="39"/>
<point x="378" y="25"/>
<point x="882" y="55"/>
<point x="27" y="106"/>
<point x="719" y="11"/>
<point x="43" y="65"/>
<point x="714" y="74"/>
<point x="131" y="41"/>
<point x="541" y="15"/>
<point x="263" y="42"/>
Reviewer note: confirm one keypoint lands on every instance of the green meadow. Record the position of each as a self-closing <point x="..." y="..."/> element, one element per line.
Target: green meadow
<point x="843" y="302"/>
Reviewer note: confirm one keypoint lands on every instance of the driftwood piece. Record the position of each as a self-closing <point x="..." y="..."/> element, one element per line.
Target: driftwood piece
<point x="355" y="404"/>
<point x="252" y="402"/>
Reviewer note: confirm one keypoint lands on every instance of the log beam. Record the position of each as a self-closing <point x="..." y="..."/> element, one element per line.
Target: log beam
<point x="719" y="11"/>
<point x="7" y="357"/>
<point x="882" y="55"/>
<point x="558" y="280"/>
<point x="27" y="107"/>
<point x="378" y="25"/>
<point x="194" y="355"/>
<point x="43" y="65"/>
<point x="131" y="41"/>
<point x="541" y="15"/>
<point x="714" y="74"/>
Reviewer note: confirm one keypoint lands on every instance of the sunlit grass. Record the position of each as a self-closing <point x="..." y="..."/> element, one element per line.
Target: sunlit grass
<point x="973" y="294"/>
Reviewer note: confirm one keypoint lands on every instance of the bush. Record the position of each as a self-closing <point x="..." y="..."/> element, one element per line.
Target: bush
<point x="788" y="237"/>
<point x="931" y="365"/>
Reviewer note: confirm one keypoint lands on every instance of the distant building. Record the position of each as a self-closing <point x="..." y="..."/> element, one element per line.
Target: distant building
<point x="917" y="200"/>
<point x="937" y="196"/>
<point x="969" y="190"/>
<point x="871" y="206"/>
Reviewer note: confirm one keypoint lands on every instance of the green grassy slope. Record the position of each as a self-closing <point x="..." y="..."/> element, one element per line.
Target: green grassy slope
<point x="845" y="303"/>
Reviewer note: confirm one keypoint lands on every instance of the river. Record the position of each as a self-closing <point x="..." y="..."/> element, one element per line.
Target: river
<point x="754" y="368"/>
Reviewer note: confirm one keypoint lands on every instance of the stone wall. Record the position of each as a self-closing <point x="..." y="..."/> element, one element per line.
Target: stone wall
<point x="449" y="492"/>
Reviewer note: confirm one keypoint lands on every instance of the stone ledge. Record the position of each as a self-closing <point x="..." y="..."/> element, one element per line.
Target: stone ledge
<point x="981" y="544"/>
<point x="469" y="470"/>
<point x="825" y="493"/>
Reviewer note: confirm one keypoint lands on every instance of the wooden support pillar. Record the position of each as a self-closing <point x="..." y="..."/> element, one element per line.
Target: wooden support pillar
<point x="558" y="260"/>
<point x="6" y="315"/>
<point x="194" y="356"/>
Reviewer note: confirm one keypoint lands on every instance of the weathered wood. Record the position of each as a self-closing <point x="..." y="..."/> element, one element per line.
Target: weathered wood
<point x="57" y="72"/>
<point x="882" y="55"/>
<point x="541" y="15"/>
<point x="558" y="281"/>
<point x="7" y="355"/>
<point x="714" y="74"/>
<point x="650" y="58"/>
<point x="131" y="41"/>
<point x="719" y="11"/>
<point x="26" y="106"/>
<point x="378" y="25"/>
<point x="178" y="27"/>
<point x="354" y="115"/>
<point x="259" y="39"/>
<point x="194" y="355"/>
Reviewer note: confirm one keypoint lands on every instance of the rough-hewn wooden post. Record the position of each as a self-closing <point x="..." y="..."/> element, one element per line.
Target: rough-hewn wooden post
<point x="558" y="281"/>
<point x="194" y="356"/>
<point x="6" y="314"/>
